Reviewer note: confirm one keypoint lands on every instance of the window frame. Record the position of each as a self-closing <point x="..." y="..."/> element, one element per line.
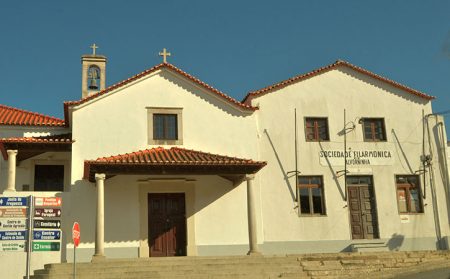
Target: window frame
<point x="310" y="196"/>
<point x="373" y="120"/>
<point x="166" y="126"/>
<point x="315" y="128"/>
<point x="406" y="187"/>
<point x="67" y="170"/>
<point x="151" y="111"/>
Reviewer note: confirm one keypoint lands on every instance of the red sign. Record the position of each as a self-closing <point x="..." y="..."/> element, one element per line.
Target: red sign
<point x="48" y="201"/>
<point x="76" y="234"/>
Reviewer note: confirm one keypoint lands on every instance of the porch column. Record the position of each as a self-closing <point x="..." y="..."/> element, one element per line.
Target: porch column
<point x="11" y="170"/>
<point x="100" y="224"/>
<point x="251" y="213"/>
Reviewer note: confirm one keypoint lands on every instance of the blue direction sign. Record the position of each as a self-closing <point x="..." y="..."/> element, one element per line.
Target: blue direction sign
<point x="13" y="235"/>
<point x="13" y="201"/>
<point x="46" y="235"/>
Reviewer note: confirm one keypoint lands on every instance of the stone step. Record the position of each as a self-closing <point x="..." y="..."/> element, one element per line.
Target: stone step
<point x="212" y="270"/>
<point x="341" y="265"/>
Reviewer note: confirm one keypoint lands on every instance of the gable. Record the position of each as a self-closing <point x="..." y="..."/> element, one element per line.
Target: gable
<point x="204" y="87"/>
<point x="336" y="65"/>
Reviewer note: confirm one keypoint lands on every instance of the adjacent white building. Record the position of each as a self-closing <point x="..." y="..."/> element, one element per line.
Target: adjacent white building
<point x="162" y="164"/>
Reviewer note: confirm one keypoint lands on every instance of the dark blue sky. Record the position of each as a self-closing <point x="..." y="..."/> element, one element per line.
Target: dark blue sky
<point x="235" y="46"/>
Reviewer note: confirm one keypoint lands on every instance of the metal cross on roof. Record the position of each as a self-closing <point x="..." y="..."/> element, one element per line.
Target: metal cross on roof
<point x="164" y="54"/>
<point x="94" y="46"/>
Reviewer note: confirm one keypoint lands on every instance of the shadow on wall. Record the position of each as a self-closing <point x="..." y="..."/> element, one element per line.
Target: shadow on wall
<point x="401" y="152"/>
<point x="216" y="101"/>
<point x="395" y="242"/>
<point x="335" y="177"/>
<point x="383" y="86"/>
<point x="280" y="164"/>
<point x="117" y="190"/>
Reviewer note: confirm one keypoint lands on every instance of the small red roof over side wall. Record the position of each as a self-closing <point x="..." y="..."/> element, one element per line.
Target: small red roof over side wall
<point x="281" y="84"/>
<point x="19" y="117"/>
<point x="174" y="160"/>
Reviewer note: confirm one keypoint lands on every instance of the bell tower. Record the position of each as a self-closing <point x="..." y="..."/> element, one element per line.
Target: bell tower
<point x="93" y="73"/>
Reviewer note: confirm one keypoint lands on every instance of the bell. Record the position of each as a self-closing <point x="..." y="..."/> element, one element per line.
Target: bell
<point x="93" y="84"/>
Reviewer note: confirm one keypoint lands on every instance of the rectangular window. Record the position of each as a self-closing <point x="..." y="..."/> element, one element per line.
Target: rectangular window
<point x="165" y="127"/>
<point x="408" y="194"/>
<point x="310" y="192"/>
<point x="374" y="129"/>
<point x="49" y="178"/>
<point x="316" y="129"/>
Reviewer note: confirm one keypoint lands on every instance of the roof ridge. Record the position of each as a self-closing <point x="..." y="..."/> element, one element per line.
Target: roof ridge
<point x="322" y="69"/>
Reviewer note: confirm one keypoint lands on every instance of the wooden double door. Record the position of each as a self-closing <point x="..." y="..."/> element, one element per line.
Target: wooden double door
<point x="167" y="224"/>
<point x="362" y="205"/>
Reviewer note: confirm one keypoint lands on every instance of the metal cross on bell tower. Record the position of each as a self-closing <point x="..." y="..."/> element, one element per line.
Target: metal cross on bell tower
<point x="164" y="54"/>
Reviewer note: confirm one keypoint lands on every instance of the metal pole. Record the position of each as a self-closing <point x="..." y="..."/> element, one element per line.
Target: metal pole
<point x="345" y="158"/>
<point x="30" y="235"/>
<point x="74" y="261"/>
<point x="296" y="157"/>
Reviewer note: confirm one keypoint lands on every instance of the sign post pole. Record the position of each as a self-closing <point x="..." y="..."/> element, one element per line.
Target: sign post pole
<point x="29" y="234"/>
<point x="74" y="262"/>
<point x="76" y="241"/>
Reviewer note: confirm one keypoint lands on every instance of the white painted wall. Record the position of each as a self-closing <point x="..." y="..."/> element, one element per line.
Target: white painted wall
<point x="327" y="95"/>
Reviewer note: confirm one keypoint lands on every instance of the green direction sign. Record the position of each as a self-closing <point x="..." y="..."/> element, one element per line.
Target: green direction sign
<point x="46" y="246"/>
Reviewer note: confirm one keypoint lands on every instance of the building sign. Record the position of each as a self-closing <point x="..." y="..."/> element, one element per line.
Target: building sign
<point x="356" y="158"/>
<point x="13" y="224"/>
<point x="52" y="201"/>
<point x="47" y="224"/>
<point x="47" y="212"/>
<point x="13" y="235"/>
<point x="46" y="235"/>
<point x="12" y="246"/>
<point x="45" y="246"/>
<point x="13" y="201"/>
<point x="13" y="212"/>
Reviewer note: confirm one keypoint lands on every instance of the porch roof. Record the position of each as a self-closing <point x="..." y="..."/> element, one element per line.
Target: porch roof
<point x="175" y="160"/>
<point x="31" y="146"/>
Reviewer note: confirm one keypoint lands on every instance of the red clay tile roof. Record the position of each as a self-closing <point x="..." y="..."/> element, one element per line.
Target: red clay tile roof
<point x="57" y="139"/>
<point x="174" y="155"/>
<point x="315" y="72"/>
<point x="149" y="71"/>
<point x="14" y="116"/>
<point x="175" y="160"/>
<point x="32" y="146"/>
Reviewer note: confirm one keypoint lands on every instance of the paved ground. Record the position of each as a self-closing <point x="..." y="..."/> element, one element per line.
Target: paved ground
<point x="443" y="273"/>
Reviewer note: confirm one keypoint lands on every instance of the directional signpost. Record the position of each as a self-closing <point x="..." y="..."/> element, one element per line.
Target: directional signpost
<point x="52" y="201"/>
<point x="47" y="212"/>
<point x="46" y="246"/>
<point x="13" y="212"/>
<point x="46" y="224"/>
<point x="26" y="228"/>
<point x="13" y="201"/>
<point x="13" y="224"/>
<point x="46" y="235"/>
<point x="13" y="246"/>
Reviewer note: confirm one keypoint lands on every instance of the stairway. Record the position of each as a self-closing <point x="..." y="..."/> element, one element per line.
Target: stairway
<point x="338" y="265"/>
